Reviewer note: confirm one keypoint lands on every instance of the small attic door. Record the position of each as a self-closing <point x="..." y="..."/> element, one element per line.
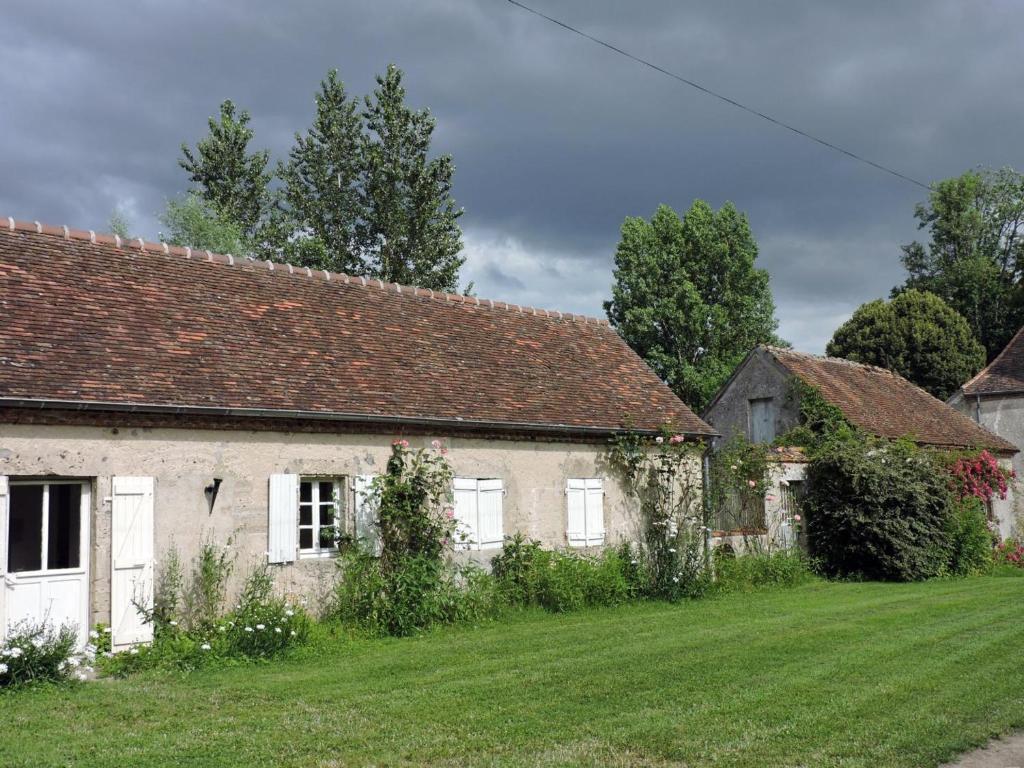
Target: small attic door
<point x="762" y="420"/>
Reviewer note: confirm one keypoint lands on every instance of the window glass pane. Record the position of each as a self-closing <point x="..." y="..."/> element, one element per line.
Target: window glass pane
<point x="305" y="491"/>
<point x="326" y="514"/>
<point x="305" y="514"/>
<point x="305" y="538"/>
<point x="326" y="492"/>
<point x="25" y="529"/>
<point x="64" y="528"/>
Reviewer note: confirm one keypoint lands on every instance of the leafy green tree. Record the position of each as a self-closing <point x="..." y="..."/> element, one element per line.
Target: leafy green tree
<point x="411" y="233"/>
<point x="192" y="221"/>
<point x="918" y="336"/>
<point x="975" y="257"/>
<point x="233" y="180"/>
<point x="688" y="298"/>
<point x="323" y="179"/>
<point x="118" y="224"/>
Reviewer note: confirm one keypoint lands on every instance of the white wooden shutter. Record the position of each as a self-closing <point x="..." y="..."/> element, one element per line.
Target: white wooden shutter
<point x="576" y="497"/>
<point x="283" y="519"/>
<point x="466" y="516"/>
<point x="3" y="556"/>
<point x="489" y="504"/>
<point x="131" y="549"/>
<point x="366" y="513"/>
<point x="595" y="512"/>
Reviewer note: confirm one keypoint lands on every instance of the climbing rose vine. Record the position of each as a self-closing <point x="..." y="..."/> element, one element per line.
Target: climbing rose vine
<point x="980" y="476"/>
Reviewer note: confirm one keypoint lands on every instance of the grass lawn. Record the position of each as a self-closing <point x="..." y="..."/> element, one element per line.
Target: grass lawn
<point x="820" y="675"/>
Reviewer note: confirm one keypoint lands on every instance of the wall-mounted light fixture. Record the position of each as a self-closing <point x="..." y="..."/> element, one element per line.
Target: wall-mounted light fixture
<point x="211" y="492"/>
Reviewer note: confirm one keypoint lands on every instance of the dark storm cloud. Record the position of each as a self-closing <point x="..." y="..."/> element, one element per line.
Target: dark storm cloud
<point x="555" y="139"/>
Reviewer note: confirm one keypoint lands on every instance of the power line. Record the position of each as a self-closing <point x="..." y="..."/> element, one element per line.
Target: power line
<point x="719" y="96"/>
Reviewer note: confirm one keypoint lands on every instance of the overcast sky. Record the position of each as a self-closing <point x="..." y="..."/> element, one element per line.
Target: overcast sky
<point x="555" y="139"/>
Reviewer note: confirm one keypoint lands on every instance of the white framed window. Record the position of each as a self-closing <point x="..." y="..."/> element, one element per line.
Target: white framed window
<point x="478" y="513"/>
<point x="585" y="505"/>
<point x="320" y="515"/>
<point x="45" y="526"/>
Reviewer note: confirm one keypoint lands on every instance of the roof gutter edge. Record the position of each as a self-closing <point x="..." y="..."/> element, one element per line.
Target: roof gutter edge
<point x="270" y="413"/>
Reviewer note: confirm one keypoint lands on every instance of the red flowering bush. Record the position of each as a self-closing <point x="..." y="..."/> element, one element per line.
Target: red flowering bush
<point x="979" y="475"/>
<point x="1010" y="552"/>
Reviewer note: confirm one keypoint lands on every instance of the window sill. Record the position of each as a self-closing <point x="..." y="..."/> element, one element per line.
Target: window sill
<point x="317" y="554"/>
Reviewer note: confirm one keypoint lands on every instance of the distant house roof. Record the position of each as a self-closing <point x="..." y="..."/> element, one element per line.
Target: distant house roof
<point x="1004" y="375"/>
<point x="883" y="403"/>
<point x="89" y="321"/>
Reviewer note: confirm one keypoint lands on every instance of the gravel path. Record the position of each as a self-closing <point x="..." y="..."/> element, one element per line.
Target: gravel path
<point x="1003" y="753"/>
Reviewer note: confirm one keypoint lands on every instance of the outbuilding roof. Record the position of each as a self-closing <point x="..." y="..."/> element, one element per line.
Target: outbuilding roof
<point x="1004" y="375"/>
<point x="883" y="403"/>
<point x="92" y="321"/>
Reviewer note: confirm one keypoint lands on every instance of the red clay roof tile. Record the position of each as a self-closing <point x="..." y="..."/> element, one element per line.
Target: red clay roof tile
<point x="87" y="320"/>
<point x="884" y="403"/>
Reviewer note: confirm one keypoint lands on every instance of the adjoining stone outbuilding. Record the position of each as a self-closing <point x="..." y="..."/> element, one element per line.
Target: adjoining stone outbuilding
<point x="761" y="401"/>
<point x="995" y="398"/>
<point x="153" y="396"/>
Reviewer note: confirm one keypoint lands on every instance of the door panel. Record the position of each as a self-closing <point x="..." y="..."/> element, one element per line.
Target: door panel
<point x="131" y="547"/>
<point x="56" y="589"/>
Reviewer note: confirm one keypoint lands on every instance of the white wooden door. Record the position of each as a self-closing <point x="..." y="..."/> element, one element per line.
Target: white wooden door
<point x="44" y="545"/>
<point x="131" y="548"/>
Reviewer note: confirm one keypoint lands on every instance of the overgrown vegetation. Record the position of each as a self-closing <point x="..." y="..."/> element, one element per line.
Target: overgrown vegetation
<point x="664" y="475"/>
<point x="193" y="626"/>
<point x="563" y="580"/>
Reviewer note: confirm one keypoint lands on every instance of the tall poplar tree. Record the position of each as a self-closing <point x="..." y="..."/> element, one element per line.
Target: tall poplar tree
<point x="688" y="298"/>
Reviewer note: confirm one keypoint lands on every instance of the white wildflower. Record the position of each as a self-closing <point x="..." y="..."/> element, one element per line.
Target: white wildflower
<point x="74" y="662"/>
<point x="261" y="626"/>
<point x="93" y="634"/>
<point x="106" y="630"/>
<point x="108" y="655"/>
<point x="3" y="669"/>
<point x="173" y="623"/>
<point x="294" y="633"/>
<point x="289" y="612"/>
<point x="205" y="646"/>
<point x="277" y="630"/>
<point x="133" y="651"/>
<point x="248" y="629"/>
<point x="82" y="676"/>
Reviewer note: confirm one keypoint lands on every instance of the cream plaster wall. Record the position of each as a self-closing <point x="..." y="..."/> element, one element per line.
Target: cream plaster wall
<point x="184" y="462"/>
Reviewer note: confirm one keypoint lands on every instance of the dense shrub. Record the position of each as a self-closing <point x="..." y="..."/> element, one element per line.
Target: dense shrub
<point x="736" y="573"/>
<point x="420" y="594"/>
<point x="39" y="652"/>
<point x="968" y="538"/>
<point x="560" y="580"/>
<point x="411" y="584"/>
<point x="877" y="509"/>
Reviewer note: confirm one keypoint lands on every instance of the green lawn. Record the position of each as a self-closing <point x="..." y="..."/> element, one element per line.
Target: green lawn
<point x="821" y="675"/>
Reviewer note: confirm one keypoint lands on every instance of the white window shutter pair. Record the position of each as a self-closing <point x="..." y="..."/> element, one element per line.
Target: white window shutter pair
<point x="478" y="511"/>
<point x="131" y="549"/>
<point x="585" y="502"/>
<point x="283" y="521"/>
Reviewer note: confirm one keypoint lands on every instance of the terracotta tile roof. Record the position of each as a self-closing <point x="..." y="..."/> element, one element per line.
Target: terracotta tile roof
<point x="885" y="404"/>
<point x="1005" y="374"/>
<point x="89" y="319"/>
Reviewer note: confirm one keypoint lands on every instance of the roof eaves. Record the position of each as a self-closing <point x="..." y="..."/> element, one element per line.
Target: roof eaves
<point x="268" y="413"/>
